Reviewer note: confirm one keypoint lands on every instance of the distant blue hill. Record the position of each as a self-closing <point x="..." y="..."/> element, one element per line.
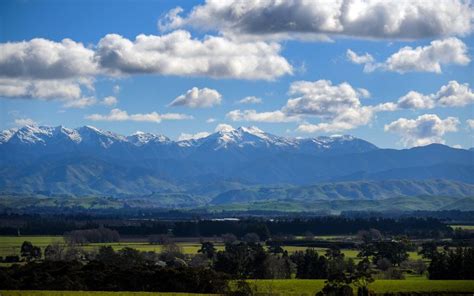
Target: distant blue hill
<point x="89" y="161"/>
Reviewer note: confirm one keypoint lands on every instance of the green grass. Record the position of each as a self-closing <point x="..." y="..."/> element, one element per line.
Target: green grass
<point x="310" y="287"/>
<point x="292" y="287"/>
<point x="348" y="253"/>
<point x="10" y="245"/>
<point x="465" y="227"/>
<point x="89" y="293"/>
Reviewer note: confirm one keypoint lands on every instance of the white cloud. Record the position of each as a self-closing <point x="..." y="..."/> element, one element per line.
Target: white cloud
<point x="346" y="120"/>
<point x="185" y="136"/>
<point x="198" y="98"/>
<point x="428" y="58"/>
<point x="177" y="53"/>
<point x="24" y="121"/>
<point x="109" y="101"/>
<point x="424" y="130"/>
<point x="250" y="100"/>
<point x="222" y="127"/>
<point x="391" y="19"/>
<point x="338" y="106"/>
<point x="80" y="103"/>
<point x="359" y="59"/>
<point x="41" y="89"/>
<point x="321" y="98"/>
<point x="452" y="94"/>
<point x="45" y="69"/>
<point x="470" y="123"/>
<point x="116" y="89"/>
<point x="252" y="115"/>
<point x="44" y="59"/>
<point x="211" y="120"/>
<point x="84" y="102"/>
<point x="120" y="115"/>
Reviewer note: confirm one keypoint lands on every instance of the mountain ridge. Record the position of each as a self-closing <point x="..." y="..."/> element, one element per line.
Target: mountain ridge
<point x="89" y="161"/>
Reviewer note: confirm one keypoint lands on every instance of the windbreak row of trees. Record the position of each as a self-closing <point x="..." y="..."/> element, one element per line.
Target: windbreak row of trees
<point x="425" y="227"/>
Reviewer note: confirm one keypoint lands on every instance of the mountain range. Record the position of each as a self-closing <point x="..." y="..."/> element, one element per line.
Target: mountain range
<point x="232" y="165"/>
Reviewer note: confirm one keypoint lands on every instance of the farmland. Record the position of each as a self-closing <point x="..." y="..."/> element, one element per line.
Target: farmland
<point x="10" y="245"/>
<point x="291" y="287"/>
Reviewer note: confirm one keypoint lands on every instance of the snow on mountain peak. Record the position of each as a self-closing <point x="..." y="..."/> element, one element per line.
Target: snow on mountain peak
<point x="140" y="138"/>
<point x="225" y="137"/>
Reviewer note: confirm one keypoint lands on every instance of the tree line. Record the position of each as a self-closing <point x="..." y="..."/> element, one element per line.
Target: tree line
<point x="338" y="225"/>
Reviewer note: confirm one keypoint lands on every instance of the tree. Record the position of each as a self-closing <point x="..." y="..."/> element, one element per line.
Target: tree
<point x="208" y="249"/>
<point x="274" y="247"/>
<point x="363" y="277"/>
<point x="428" y="250"/>
<point x="309" y="265"/>
<point x="30" y="252"/>
<point x="54" y="251"/>
<point x="251" y="238"/>
<point x="395" y="252"/>
<point x="371" y="235"/>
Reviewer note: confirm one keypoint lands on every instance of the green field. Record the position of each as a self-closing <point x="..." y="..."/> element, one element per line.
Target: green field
<point x="465" y="227"/>
<point x="294" y="287"/>
<point x="309" y="287"/>
<point x="88" y="293"/>
<point x="10" y="245"/>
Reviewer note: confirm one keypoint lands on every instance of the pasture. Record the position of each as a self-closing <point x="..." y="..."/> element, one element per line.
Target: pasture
<point x="293" y="287"/>
<point x="10" y="245"/>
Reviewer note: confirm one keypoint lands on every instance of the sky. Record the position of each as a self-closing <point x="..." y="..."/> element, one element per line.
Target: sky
<point x="396" y="73"/>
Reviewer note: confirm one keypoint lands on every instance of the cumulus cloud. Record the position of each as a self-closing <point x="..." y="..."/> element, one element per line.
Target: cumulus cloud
<point x="44" y="59"/>
<point x="223" y="127"/>
<point x="116" y="89"/>
<point x="185" y="136"/>
<point x="80" y="103"/>
<point x="177" y="53"/>
<point x="110" y="101"/>
<point x="338" y="106"/>
<point x="45" y="69"/>
<point x="321" y="98"/>
<point x="430" y="58"/>
<point x="347" y="120"/>
<point x="211" y="120"/>
<point x="453" y="94"/>
<point x="250" y="100"/>
<point x="24" y="121"/>
<point x="379" y="19"/>
<point x="359" y="59"/>
<point x="42" y="89"/>
<point x="121" y="115"/>
<point x="470" y="123"/>
<point x="198" y="98"/>
<point x="424" y="130"/>
<point x="252" y="115"/>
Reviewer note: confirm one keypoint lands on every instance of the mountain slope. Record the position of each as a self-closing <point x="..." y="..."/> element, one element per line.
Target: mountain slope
<point x="360" y="190"/>
<point x="86" y="160"/>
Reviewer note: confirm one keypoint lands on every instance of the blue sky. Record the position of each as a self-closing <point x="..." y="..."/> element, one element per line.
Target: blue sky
<point x="326" y="108"/>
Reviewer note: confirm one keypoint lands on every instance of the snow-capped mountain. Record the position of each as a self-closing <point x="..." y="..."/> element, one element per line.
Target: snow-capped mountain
<point x="88" y="160"/>
<point x="240" y="139"/>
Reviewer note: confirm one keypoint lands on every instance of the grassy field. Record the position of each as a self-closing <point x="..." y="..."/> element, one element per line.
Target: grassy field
<point x="465" y="227"/>
<point x="88" y="293"/>
<point x="10" y="245"/>
<point x="293" y="287"/>
<point x="309" y="287"/>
